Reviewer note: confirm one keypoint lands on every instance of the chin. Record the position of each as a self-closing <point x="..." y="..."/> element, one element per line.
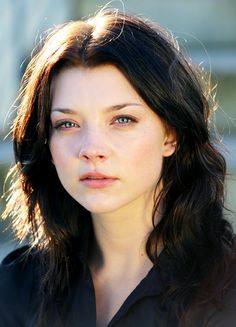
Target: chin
<point x="100" y="208"/>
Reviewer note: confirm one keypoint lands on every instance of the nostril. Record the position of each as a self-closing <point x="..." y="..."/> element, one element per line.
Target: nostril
<point x="91" y="155"/>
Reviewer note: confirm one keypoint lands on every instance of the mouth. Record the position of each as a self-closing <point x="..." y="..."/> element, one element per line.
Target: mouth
<point x="97" y="180"/>
<point x="95" y="175"/>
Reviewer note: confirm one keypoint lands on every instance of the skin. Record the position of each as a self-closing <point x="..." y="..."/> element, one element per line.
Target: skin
<point x="100" y="124"/>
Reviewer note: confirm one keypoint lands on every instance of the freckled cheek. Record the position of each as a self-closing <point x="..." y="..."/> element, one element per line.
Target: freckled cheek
<point x="60" y="153"/>
<point x="145" y="156"/>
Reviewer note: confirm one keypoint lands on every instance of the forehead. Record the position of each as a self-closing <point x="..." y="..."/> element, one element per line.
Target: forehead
<point x="102" y="84"/>
<point x="101" y="89"/>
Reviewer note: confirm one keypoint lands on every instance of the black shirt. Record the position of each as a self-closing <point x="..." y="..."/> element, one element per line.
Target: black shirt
<point x="20" y="297"/>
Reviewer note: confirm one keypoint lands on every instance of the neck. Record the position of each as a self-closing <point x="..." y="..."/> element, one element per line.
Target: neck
<point x="120" y="238"/>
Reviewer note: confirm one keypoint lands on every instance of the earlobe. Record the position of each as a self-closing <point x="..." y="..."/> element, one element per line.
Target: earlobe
<point x="170" y="145"/>
<point x="169" y="149"/>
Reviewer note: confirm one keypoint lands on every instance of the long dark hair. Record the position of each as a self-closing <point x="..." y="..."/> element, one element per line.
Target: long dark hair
<point x="192" y="228"/>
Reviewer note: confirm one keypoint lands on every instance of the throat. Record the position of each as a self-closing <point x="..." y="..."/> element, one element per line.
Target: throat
<point x="112" y="289"/>
<point x="118" y="261"/>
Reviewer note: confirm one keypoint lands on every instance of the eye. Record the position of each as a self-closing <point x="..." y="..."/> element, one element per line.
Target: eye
<point x="65" y="124"/>
<point x="124" y="120"/>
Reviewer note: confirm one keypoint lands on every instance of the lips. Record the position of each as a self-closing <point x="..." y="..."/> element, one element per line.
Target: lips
<point x="95" y="175"/>
<point x="97" y="180"/>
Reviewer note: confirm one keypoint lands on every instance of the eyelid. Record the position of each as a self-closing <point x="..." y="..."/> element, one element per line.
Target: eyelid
<point x="129" y="117"/>
<point x="59" y="124"/>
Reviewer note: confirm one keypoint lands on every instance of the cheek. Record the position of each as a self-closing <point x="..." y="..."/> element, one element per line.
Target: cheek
<point x="63" y="165"/>
<point x="152" y="160"/>
<point x="55" y="152"/>
<point x="60" y="154"/>
<point x="145" y="157"/>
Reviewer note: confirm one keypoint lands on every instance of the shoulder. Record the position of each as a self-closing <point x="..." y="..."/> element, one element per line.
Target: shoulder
<point x="16" y="263"/>
<point x="220" y="313"/>
<point x="17" y="284"/>
<point x="225" y="315"/>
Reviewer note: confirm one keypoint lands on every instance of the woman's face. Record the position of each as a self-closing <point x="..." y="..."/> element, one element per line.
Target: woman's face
<point x="107" y="145"/>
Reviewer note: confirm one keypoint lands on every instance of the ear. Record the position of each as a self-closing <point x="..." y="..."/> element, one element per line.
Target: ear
<point x="170" y="143"/>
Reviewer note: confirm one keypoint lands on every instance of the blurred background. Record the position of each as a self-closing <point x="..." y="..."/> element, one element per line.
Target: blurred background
<point x="205" y="29"/>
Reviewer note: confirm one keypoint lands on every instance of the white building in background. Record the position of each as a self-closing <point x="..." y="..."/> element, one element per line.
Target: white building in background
<point x="21" y="23"/>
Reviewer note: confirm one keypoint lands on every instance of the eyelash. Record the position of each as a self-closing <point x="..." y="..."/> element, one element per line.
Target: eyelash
<point x="129" y="120"/>
<point x="60" y="124"/>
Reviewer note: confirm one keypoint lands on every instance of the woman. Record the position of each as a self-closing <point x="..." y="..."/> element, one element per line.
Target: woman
<point x="118" y="186"/>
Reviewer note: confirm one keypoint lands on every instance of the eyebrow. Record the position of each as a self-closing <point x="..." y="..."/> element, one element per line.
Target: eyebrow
<point x="111" y="108"/>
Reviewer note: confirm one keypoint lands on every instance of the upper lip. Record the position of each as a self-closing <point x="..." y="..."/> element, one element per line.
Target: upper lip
<point x="95" y="175"/>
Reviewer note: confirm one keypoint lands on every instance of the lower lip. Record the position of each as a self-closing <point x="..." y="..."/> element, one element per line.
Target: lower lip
<point x="98" y="183"/>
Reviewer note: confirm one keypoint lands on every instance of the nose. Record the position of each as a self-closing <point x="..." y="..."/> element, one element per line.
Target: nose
<point x="93" y="147"/>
